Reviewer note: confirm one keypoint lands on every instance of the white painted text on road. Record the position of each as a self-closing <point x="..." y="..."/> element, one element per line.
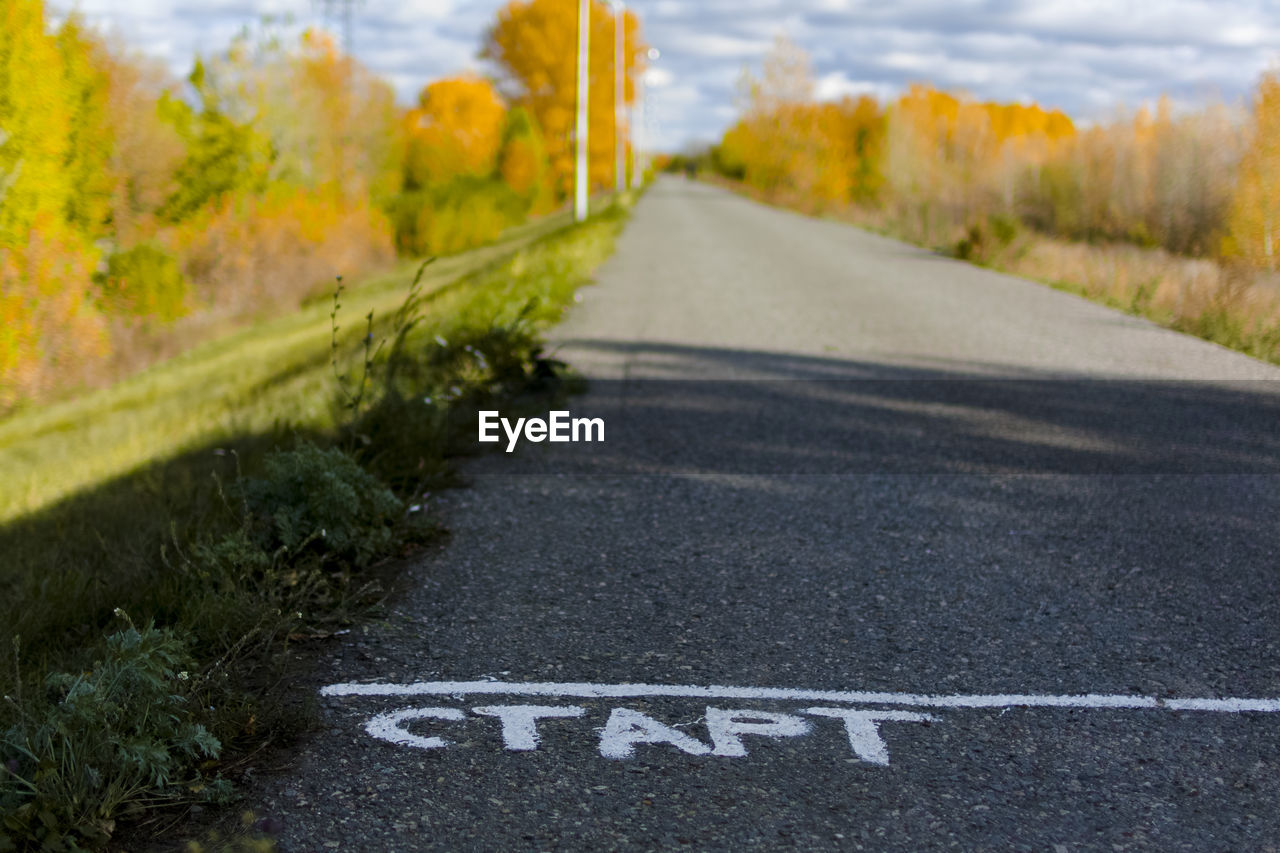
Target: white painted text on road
<point x="728" y="730"/>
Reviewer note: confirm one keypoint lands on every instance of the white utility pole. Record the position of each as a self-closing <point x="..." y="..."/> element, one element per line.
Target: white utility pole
<point x="584" y="95"/>
<point x="620" y="91"/>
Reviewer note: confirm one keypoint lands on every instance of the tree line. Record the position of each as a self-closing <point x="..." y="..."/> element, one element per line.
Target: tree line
<point x="949" y="170"/>
<point x="138" y="212"/>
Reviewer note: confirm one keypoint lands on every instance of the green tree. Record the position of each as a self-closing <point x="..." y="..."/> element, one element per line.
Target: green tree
<point x="223" y="155"/>
<point x="90" y="143"/>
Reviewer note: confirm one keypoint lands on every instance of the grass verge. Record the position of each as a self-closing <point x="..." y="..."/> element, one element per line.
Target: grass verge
<point x="249" y="381"/>
<point x="144" y="616"/>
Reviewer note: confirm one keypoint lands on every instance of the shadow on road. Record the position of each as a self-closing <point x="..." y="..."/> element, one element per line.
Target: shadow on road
<point x="804" y="414"/>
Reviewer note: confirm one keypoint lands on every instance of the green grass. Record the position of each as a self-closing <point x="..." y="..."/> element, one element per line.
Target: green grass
<point x="238" y="504"/>
<point x="272" y="372"/>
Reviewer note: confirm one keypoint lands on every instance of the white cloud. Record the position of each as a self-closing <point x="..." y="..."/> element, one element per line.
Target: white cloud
<point x="657" y="78"/>
<point x="837" y="85"/>
<point x="1086" y="56"/>
<point x="716" y="45"/>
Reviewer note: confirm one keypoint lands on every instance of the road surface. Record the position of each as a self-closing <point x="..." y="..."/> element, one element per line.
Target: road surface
<point x="882" y="551"/>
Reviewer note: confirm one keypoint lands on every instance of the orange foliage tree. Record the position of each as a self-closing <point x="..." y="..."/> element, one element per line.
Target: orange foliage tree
<point x="948" y="168"/>
<point x="952" y="159"/>
<point x="349" y="115"/>
<point x="455" y="131"/>
<point x="534" y="43"/>
<point x="786" y="142"/>
<point x="457" y="153"/>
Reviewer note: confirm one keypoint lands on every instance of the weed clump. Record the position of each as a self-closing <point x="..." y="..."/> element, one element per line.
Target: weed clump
<point x="94" y="745"/>
<point x="987" y="239"/>
<point x="319" y="500"/>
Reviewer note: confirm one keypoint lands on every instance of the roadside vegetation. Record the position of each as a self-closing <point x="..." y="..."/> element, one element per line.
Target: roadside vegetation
<point x="140" y="214"/>
<point x="214" y="448"/>
<point x="145" y="618"/>
<point x="268" y="373"/>
<point x="1167" y="213"/>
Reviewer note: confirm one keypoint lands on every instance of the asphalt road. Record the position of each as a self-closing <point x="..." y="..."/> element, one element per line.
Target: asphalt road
<point x="834" y="464"/>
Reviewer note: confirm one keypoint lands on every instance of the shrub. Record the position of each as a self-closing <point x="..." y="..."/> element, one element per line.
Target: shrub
<point x="99" y="742"/>
<point x="145" y="282"/>
<point x="523" y="164"/>
<point x="231" y="581"/>
<point x="987" y="238"/>
<point x="460" y="216"/>
<point x="318" y="499"/>
<point x="431" y="391"/>
<point x="249" y="252"/>
<point x="49" y="327"/>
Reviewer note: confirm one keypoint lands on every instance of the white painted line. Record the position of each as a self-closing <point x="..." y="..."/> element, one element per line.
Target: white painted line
<point x="1229" y="706"/>
<point x="586" y="690"/>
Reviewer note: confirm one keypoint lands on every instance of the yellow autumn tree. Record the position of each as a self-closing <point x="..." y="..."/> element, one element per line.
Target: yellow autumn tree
<point x="534" y="42"/>
<point x="951" y="171"/>
<point x="47" y="321"/>
<point x="1254" y="220"/>
<point x="331" y="124"/>
<point x="1154" y="176"/>
<point x="349" y="114"/>
<point x="120" y="196"/>
<point x="35" y="117"/>
<point x="859" y="124"/>
<point x="952" y="161"/>
<point x="787" y="142"/>
<point x="775" y="141"/>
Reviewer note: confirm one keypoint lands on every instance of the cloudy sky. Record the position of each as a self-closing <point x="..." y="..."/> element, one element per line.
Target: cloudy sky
<point x="1085" y="56"/>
